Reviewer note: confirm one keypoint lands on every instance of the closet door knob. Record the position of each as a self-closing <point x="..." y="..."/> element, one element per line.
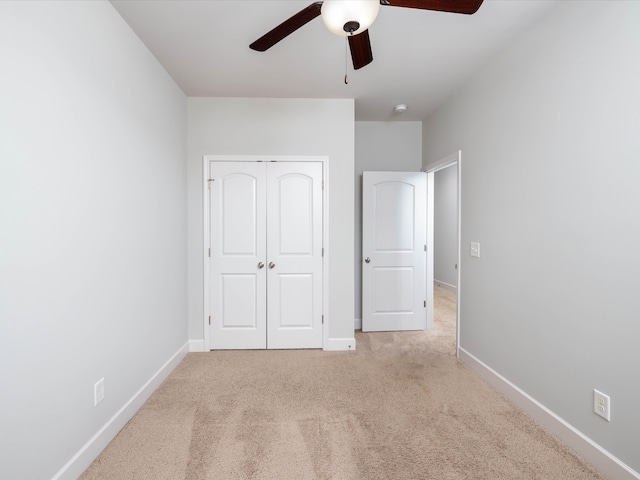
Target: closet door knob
<point x="260" y="265"/>
<point x="271" y="264"/>
<point x="367" y="260"/>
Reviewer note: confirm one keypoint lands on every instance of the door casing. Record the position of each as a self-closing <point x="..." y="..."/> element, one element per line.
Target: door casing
<point x="206" y="161"/>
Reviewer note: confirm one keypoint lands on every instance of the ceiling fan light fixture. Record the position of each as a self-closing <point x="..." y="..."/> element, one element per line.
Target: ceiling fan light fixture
<point x="349" y="17"/>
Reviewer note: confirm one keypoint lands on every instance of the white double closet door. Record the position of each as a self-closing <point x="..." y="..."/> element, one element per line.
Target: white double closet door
<point x="266" y="255"/>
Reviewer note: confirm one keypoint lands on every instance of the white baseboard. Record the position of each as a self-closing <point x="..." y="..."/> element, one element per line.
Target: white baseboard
<point x="600" y="458"/>
<point x="332" y="344"/>
<point x="446" y="285"/>
<point x="357" y="324"/>
<point x="88" y="453"/>
<point x="339" y="344"/>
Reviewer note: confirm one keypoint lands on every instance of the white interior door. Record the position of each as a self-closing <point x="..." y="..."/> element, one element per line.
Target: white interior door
<point x="266" y="255"/>
<point x="394" y="239"/>
<point x="238" y="255"/>
<point x="294" y="251"/>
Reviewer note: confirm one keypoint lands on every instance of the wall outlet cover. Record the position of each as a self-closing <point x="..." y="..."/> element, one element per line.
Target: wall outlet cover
<point x="602" y="405"/>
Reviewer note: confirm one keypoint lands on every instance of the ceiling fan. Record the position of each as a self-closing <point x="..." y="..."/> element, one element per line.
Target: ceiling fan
<point x="352" y="18"/>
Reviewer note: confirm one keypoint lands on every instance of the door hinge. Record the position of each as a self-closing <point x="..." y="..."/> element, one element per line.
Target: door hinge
<point x="425" y="304"/>
<point x="209" y="182"/>
<point x="425" y="247"/>
<point x="322" y="184"/>
<point x="323" y="319"/>
<point x="323" y="251"/>
<point x="209" y="319"/>
<point x="209" y="252"/>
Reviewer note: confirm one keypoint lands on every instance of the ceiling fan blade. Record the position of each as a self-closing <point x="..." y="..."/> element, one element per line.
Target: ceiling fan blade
<point x="453" y="6"/>
<point x="360" y="46"/>
<point x="287" y="27"/>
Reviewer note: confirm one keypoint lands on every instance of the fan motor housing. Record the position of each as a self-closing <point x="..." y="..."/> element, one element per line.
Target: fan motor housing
<point x="351" y="26"/>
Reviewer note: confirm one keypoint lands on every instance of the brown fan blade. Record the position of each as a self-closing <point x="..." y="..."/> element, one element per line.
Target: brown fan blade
<point x="453" y="6"/>
<point x="360" y="46"/>
<point x="287" y="27"/>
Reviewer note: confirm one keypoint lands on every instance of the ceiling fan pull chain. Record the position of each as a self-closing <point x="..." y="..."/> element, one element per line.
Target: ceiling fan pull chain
<point x="346" y="60"/>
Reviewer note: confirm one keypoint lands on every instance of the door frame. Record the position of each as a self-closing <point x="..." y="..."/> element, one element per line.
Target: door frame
<point x="454" y="158"/>
<point x="206" y="160"/>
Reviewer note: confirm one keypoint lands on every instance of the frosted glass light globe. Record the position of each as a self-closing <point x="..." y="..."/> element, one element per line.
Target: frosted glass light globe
<point x="338" y="13"/>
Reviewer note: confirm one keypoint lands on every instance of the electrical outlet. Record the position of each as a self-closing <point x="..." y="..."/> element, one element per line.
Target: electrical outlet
<point x="602" y="405"/>
<point x="98" y="392"/>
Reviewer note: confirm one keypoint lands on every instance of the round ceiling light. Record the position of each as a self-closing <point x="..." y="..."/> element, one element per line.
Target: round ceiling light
<point x="400" y="108"/>
<point x="349" y="17"/>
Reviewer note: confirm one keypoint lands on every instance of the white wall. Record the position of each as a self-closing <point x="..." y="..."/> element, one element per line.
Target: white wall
<point x="261" y="126"/>
<point x="550" y="148"/>
<point x="92" y="226"/>
<point x="445" y="237"/>
<point x="381" y="146"/>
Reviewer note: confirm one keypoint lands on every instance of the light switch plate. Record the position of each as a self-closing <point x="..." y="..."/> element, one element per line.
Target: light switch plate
<point x="475" y="249"/>
<point x="98" y="392"/>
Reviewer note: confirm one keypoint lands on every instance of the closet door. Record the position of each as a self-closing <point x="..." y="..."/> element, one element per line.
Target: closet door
<point x="238" y="255"/>
<point x="266" y="255"/>
<point x="294" y="252"/>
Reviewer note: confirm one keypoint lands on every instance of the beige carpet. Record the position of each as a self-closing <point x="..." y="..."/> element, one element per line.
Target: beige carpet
<point x="400" y="407"/>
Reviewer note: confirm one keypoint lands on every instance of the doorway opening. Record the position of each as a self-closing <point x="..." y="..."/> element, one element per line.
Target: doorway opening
<point x="443" y="212"/>
<point x="440" y="289"/>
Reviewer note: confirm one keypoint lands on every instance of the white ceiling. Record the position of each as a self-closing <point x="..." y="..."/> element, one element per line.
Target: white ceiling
<point x="420" y="56"/>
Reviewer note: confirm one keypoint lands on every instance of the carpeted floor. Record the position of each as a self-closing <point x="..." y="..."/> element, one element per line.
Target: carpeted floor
<point x="400" y="407"/>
